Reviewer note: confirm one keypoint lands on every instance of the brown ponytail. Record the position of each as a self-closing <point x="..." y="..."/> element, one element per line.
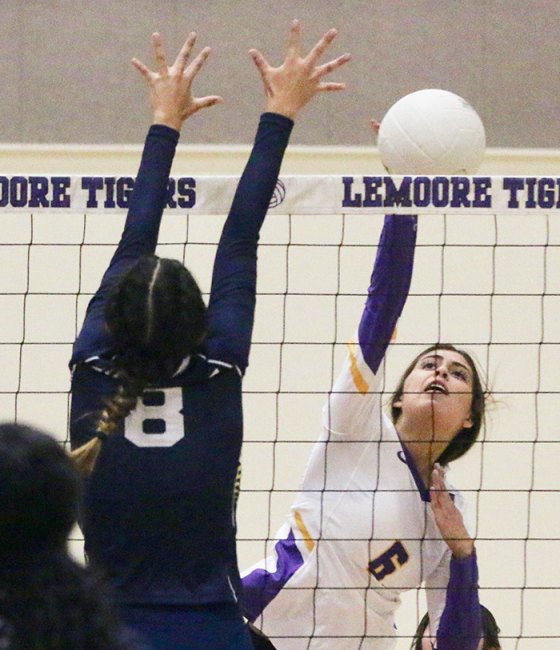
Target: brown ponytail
<point x="122" y="403"/>
<point x="85" y="456"/>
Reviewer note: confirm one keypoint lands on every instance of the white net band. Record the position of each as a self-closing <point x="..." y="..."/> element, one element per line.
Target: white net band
<point x="294" y="194"/>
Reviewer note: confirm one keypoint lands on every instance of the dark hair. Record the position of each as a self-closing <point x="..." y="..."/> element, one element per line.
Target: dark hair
<point x="157" y="317"/>
<point x="466" y="438"/>
<point x="39" y="491"/>
<point x="47" y="600"/>
<point x="490" y="631"/>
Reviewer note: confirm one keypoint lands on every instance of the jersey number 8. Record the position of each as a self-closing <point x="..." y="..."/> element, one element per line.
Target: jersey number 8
<point x="157" y="420"/>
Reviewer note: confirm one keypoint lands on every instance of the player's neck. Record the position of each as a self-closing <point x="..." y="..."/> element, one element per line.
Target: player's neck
<point x="424" y="453"/>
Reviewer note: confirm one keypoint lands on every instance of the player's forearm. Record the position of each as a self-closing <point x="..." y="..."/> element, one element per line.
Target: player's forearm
<point x="139" y="236"/>
<point x="148" y="198"/>
<point x="236" y="254"/>
<point x="256" y="185"/>
<point x="388" y="291"/>
<point x="460" y="627"/>
<point x="234" y="279"/>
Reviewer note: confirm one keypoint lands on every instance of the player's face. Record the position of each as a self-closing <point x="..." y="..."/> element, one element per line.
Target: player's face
<point x="437" y="396"/>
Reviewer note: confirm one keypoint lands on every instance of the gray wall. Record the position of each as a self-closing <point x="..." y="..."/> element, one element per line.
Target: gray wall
<point x="67" y="77"/>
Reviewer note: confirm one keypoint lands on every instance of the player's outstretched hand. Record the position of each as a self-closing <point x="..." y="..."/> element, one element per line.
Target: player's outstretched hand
<point x="171" y="85"/>
<point x="448" y="517"/>
<point x="293" y="84"/>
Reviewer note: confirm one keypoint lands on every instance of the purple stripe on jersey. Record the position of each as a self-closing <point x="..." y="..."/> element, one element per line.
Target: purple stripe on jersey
<point x="260" y="587"/>
<point x="405" y="456"/>
<point x="389" y="286"/>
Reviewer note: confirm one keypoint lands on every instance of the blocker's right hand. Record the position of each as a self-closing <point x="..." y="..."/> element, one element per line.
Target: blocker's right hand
<point x="290" y="86"/>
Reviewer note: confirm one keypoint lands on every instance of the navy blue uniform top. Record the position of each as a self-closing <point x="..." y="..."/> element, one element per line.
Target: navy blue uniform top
<point x="159" y="509"/>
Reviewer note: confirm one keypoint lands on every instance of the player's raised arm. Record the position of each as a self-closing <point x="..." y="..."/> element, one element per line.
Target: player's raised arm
<point x="172" y="102"/>
<point x="354" y="394"/>
<point x="288" y="88"/>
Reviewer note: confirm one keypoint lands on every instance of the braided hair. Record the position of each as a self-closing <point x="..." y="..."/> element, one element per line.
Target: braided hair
<point x="157" y="317"/>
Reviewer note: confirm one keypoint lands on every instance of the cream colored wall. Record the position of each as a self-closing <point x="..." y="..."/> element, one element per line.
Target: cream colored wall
<point x="226" y="160"/>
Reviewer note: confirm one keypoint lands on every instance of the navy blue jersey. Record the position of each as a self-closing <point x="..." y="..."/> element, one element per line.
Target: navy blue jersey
<point x="159" y="511"/>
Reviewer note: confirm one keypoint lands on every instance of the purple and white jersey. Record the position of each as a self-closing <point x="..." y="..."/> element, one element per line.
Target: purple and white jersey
<point x="361" y="530"/>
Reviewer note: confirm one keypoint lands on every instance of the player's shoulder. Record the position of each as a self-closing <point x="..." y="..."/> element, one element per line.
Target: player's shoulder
<point x="96" y="376"/>
<point x="200" y="367"/>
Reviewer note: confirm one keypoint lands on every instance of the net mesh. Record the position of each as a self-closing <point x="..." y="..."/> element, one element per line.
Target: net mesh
<point x="487" y="278"/>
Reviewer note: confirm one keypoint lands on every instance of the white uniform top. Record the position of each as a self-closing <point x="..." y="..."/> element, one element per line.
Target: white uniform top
<point x="360" y="532"/>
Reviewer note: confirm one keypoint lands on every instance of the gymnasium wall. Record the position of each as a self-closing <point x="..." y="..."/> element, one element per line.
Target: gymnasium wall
<point x="67" y="77"/>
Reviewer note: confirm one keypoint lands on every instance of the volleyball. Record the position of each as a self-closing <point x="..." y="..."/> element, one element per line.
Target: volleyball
<point x="431" y="132"/>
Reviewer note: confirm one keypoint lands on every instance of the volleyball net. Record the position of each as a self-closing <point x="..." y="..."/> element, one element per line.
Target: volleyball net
<point x="486" y="277"/>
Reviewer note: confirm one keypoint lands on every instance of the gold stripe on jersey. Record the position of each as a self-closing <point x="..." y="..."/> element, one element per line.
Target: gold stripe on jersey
<point x="359" y="381"/>
<point x="309" y="543"/>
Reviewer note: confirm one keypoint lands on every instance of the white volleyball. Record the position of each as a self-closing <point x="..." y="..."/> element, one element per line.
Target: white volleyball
<point x="431" y="132"/>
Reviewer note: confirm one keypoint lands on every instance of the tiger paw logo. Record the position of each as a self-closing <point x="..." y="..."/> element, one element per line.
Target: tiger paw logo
<point x="278" y="195"/>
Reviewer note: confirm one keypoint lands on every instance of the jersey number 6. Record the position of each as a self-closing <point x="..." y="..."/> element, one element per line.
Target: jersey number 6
<point x="389" y="561"/>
